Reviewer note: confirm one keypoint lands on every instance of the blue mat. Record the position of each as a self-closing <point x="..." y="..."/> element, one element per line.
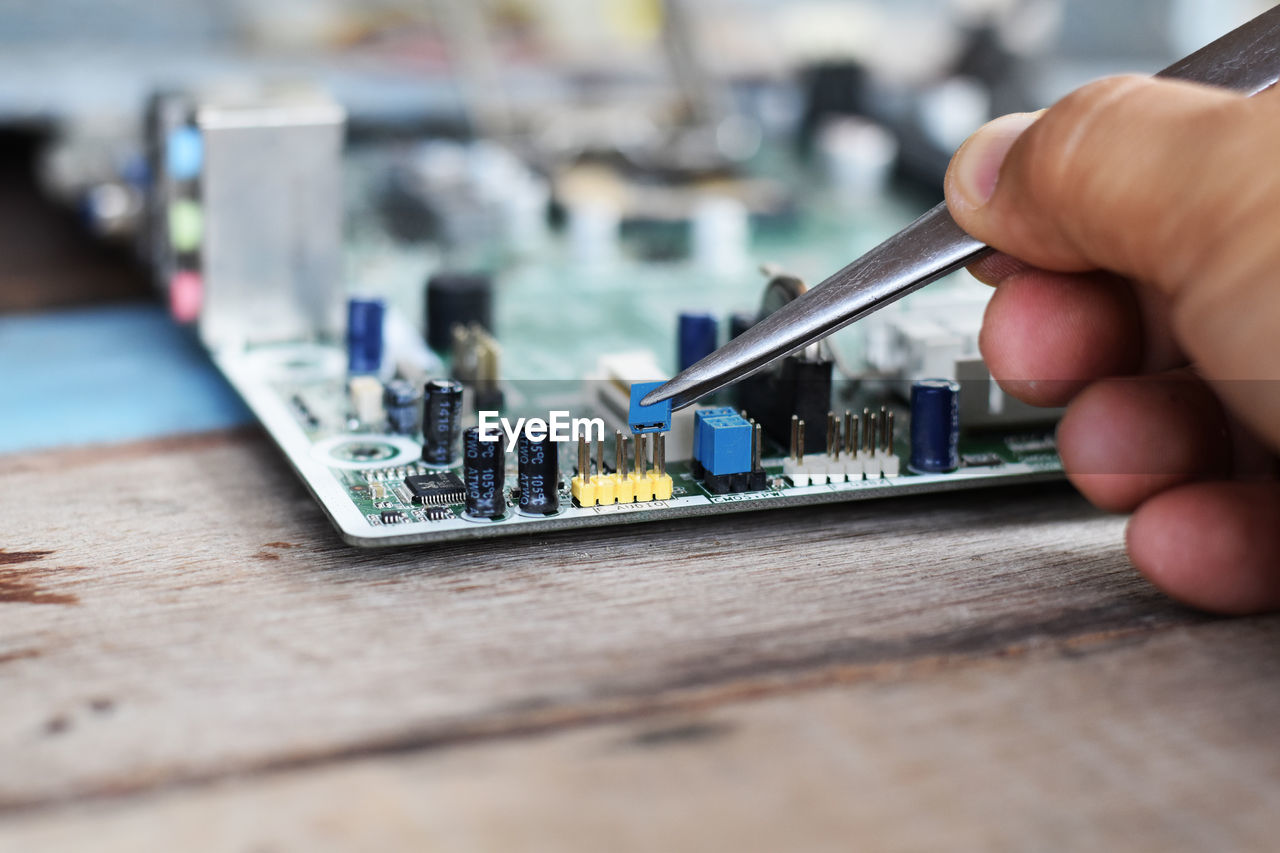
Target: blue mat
<point x="109" y="374"/>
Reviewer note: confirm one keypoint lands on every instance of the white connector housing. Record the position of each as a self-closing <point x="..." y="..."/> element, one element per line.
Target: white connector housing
<point x="366" y="400"/>
<point x="819" y="469"/>
<point x="934" y="335"/>
<point x="609" y="389"/>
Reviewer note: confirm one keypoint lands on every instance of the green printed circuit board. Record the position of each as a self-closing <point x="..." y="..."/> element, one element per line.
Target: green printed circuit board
<point x="557" y="329"/>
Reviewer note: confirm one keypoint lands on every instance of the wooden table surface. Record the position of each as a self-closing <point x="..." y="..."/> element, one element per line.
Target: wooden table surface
<point x="190" y="659"/>
<point x="219" y="672"/>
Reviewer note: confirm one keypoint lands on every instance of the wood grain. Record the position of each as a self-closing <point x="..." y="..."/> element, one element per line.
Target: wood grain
<point x="1161" y="742"/>
<point x="209" y="622"/>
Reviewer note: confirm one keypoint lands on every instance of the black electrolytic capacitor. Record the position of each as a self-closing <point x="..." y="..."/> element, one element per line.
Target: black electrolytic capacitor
<point x="400" y="399"/>
<point x="483" y="471"/>
<point x="457" y="299"/>
<point x="441" y="421"/>
<point x="538" y="474"/>
<point x="739" y="323"/>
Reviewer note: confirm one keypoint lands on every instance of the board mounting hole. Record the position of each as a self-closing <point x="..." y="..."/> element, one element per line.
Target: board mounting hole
<point x="363" y="451"/>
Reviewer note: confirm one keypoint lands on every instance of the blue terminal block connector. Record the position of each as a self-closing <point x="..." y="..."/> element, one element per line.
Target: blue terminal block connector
<point x="728" y="446"/>
<point x="727" y="453"/>
<point x="648" y="419"/>
<point x="702" y="435"/>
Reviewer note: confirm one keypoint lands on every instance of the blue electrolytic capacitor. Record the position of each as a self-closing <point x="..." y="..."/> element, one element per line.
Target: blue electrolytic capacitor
<point x="935" y="426"/>
<point x="400" y="400"/>
<point x="364" y="335"/>
<point x="697" y="333"/>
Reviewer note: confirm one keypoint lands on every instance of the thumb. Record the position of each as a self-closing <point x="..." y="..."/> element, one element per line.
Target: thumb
<point x="1171" y="184"/>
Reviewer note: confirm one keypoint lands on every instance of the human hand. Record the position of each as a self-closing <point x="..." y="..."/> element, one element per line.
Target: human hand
<point x="1145" y="219"/>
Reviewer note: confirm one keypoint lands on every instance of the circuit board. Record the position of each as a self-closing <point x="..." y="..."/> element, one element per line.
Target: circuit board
<point x="358" y="476"/>
<point x="571" y="321"/>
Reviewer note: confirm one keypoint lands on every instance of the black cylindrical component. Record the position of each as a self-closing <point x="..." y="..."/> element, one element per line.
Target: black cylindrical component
<point x="935" y="426"/>
<point x="538" y="475"/>
<point x="400" y="399"/>
<point x="483" y="471"/>
<point x="739" y="323"/>
<point x="441" y="421"/>
<point x="457" y="299"/>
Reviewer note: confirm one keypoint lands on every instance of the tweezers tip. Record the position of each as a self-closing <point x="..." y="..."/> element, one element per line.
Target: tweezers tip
<point x="659" y="395"/>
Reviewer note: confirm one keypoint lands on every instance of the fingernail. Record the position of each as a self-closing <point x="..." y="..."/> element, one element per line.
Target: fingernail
<point x="976" y="168"/>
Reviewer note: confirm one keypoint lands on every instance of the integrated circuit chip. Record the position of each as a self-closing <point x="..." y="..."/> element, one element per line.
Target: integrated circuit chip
<point x="437" y="488"/>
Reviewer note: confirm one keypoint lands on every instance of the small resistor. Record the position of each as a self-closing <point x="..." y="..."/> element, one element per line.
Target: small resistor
<point x="366" y="399"/>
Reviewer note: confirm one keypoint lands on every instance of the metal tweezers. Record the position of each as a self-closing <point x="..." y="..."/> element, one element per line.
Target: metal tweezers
<point x="1246" y="60"/>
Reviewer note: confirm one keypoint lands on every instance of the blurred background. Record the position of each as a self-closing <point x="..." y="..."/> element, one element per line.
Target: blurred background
<point x="574" y="179"/>
<point x="873" y="95"/>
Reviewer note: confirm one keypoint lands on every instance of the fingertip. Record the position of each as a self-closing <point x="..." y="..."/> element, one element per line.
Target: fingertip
<point x="1047" y="335"/>
<point x="1062" y="190"/>
<point x="998" y="268"/>
<point x="1098" y="458"/>
<point x="974" y="171"/>
<point x="1125" y="440"/>
<point x="1215" y="546"/>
